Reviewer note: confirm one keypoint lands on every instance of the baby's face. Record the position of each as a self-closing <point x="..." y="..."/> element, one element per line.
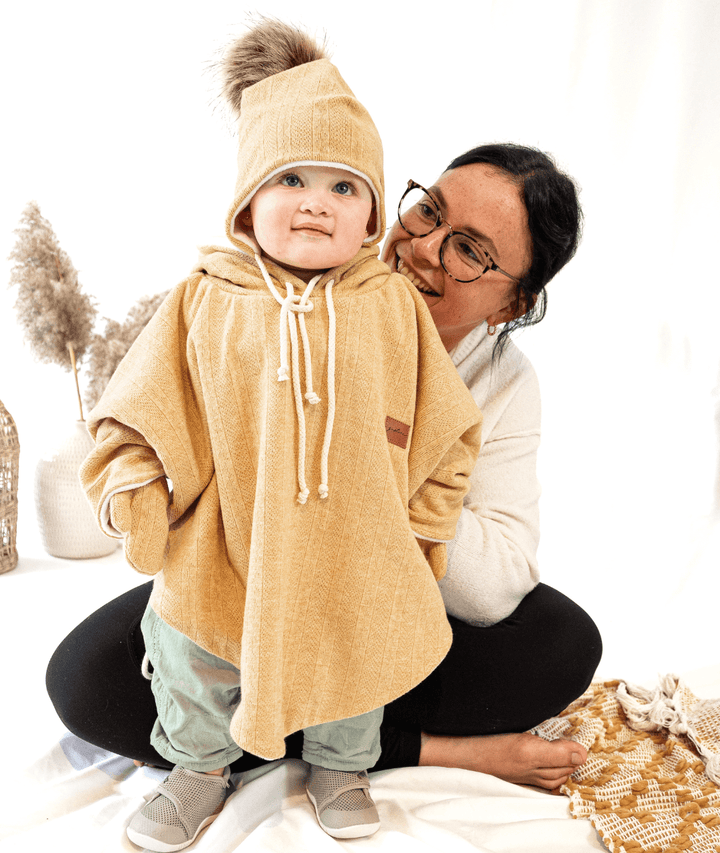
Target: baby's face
<point x="311" y="218"/>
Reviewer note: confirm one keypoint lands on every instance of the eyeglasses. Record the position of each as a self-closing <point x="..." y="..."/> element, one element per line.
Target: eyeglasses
<point x="461" y="257"/>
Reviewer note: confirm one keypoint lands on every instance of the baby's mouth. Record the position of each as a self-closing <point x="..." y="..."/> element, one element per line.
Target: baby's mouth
<point x="312" y="228"/>
<point x="419" y="283"/>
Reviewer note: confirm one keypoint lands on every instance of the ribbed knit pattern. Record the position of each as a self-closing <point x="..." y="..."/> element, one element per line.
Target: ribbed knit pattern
<point x="308" y="113"/>
<point x="329" y="609"/>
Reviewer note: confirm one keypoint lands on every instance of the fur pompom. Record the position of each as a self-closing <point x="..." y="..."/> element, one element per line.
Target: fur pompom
<point x="270" y="47"/>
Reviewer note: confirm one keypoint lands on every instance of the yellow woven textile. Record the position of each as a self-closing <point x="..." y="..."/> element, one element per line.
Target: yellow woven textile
<point x="651" y="790"/>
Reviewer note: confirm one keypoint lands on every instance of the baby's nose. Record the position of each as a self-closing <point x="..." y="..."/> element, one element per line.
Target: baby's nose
<point x="315" y="203"/>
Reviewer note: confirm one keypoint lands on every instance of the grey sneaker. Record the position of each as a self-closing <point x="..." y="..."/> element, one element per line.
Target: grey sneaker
<point x="180" y="807"/>
<point x="342" y="803"/>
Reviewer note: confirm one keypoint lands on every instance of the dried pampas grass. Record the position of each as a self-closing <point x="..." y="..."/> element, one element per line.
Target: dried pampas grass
<point x="270" y="47"/>
<point x="108" y="350"/>
<point x="56" y="316"/>
<point x="51" y="307"/>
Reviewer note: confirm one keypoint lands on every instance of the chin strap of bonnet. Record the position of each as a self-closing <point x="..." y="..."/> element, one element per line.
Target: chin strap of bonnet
<point x="290" y="305"/>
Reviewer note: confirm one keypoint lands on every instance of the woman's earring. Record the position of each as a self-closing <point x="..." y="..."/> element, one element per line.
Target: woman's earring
<point x="492" y="330"/>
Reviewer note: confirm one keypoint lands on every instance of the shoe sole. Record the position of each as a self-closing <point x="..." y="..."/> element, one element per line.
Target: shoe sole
<point x="153" y="844"/>
<point x="359" y="830"/>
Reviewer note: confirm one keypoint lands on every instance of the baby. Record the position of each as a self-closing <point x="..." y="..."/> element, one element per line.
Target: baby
<point x="274" y="608"/>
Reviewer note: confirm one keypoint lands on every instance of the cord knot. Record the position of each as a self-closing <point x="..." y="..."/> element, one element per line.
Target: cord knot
<point x="296" y="305"/>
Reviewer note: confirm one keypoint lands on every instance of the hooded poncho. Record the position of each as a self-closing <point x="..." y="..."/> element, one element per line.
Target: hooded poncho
<point x="328" y="608"/>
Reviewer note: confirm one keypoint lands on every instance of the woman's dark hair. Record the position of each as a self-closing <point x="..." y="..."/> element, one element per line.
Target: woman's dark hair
<point x="554" y="221"/>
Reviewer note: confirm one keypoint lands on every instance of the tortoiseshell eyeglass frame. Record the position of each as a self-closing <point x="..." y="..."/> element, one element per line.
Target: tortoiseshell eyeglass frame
<point x="491" y="265"/>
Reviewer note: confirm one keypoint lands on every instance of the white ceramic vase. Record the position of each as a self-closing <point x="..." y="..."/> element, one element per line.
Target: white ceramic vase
<point x="67" y="525"/>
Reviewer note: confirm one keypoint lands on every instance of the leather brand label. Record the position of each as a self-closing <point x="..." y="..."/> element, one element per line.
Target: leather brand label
<point x="397" y="432"/>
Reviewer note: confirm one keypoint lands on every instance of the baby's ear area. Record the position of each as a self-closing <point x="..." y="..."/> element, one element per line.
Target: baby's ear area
<point x="372" y="221"/>
<point x="242" y="229"/>
<point x="242" y="224"/>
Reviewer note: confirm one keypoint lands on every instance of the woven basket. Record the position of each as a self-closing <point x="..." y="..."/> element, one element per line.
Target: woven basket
<point x="9" y="465"/>
<point x="67" y="525"/>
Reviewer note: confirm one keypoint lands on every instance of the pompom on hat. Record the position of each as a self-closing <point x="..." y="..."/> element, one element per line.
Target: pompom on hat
<point x="295" y="109"/>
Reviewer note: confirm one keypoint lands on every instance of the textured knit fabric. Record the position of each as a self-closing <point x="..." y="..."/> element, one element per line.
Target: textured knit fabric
<point x="650" y="784"/>
<point x="329" y="609"/>
<point x="307" y="114"/>
<point x="492" y="561"/>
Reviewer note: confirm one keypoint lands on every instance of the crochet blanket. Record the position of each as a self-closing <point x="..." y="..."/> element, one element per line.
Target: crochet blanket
<point x="650" y="784"/>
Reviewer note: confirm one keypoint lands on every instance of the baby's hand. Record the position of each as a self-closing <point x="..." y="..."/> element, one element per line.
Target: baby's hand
<point x="120" y="512"/>
<point x="141" y="516"/>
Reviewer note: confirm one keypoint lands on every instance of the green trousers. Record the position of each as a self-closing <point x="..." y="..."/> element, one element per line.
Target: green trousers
<point x="196" y="694"/>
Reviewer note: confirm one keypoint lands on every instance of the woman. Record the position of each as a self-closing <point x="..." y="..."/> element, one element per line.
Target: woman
<point x="521" y="651"/>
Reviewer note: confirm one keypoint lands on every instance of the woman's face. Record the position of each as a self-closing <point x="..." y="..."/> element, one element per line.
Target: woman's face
<point x="482" y="201"/>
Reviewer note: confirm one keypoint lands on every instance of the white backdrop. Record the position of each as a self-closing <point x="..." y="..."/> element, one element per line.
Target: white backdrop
<point x="110" y="125"/>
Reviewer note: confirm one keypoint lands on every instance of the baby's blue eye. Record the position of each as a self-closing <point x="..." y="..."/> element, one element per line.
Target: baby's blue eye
<point x="343" y="188"/>
<point x="290" y="180"/>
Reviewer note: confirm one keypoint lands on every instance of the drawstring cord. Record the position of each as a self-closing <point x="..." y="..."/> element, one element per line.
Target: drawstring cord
<point x="289" y="306"/>
<point x="145" y="667"/>
<point x="323" y="487"/>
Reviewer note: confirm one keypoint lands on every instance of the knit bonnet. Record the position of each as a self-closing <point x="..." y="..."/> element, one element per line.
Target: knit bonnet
<point x="299" y="112"/>
<point x="294" y="109"/>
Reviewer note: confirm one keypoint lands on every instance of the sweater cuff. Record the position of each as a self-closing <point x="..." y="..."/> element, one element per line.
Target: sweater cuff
<point x="105" y="522"/>
<point x="428" y="539"/>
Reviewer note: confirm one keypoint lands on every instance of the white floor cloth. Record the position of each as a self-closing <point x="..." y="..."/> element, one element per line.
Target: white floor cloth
<point x="61" y="794"/>
<point x="77" y="798"/>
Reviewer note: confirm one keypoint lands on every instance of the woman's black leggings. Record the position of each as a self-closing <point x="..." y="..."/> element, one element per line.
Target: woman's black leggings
<point x="505" y="678"/>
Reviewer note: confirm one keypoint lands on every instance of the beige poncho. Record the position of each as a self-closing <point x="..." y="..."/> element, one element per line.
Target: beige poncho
<point x="329" y="609"/>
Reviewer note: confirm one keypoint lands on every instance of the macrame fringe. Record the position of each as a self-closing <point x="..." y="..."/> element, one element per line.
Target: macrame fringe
<point x="663" y="708"/>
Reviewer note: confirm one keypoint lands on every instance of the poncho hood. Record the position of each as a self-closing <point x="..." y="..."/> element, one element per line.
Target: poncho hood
<point x="307" y="115"/>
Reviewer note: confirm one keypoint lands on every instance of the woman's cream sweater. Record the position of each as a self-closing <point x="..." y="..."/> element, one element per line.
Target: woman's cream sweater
<point x="492" y="561"/>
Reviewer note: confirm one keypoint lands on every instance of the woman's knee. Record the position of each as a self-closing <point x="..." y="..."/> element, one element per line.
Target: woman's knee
<point x="525" y="668"/>
<point x="97" y="662"/>
<point x="568" y="630"/>
<point x="566" y="644"/>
